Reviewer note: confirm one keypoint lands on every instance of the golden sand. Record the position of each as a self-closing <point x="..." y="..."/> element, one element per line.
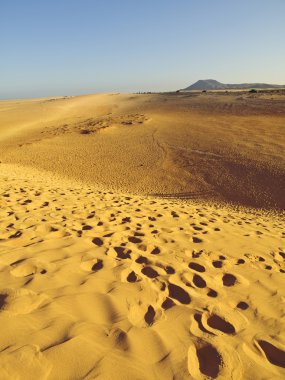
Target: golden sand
<point x="98" y="282"/>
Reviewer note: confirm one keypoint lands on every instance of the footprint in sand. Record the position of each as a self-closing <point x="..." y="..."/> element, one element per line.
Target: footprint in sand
<point x="196" y="240"/>
<point x="169" y="269"/>
<point x="179" y="294"/>
<point x="218" y="323"/>
<point x="273" y="354"/>
<point x="142" y="260"/>
<point x="210" y="361"/>
<point x="149" y="272"/>
<point x="198" y="281"/>
<point x="167" y="303"/>
<point x="97" y="241"/>
<point x="204" y="361"/>
<point x="97" y="266"/>
<point x="212" y="293"/>
<point x="119" y="338"/>
<point x="198" y="319"/>
<point x="149" y="315"/>
<point x="93" y="265"/>
<point x="16" y="235"/>
<point x="132" y="277"/>
<point x="20" y="301"/>
<point x="24" y="270"/>
<point x="123" y="253"/>
<point x="134" y="240"/>
<point x="141" y="315"/>
<point x="197" y="254"/>
<point x="217" y="264"/>
<point x="229" y="279"/>
<point x="86" y="227"/>
<point x="197" y="267"/>
<point x="2" y="300"/>
<point x="242" y="305"/>
<point x="155" y="251"/>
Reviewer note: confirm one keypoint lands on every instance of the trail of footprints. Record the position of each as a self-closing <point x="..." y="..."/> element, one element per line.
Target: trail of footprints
<point x="137" y="246"/>
<point x="94" y="125"/>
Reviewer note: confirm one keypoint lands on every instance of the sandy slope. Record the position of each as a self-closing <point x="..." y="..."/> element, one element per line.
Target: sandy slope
<point x="111" y="286"/>
<point x="223" y="147"/>
<point x="105" y="284"/>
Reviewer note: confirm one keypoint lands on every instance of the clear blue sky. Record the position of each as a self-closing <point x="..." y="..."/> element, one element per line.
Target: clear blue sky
<point x="61" y="47"/>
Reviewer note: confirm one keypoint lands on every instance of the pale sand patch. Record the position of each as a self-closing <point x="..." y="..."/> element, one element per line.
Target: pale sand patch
<point x="96" y="284"/>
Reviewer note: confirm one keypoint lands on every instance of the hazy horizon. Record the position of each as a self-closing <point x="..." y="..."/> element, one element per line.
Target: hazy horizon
<point x="73" y="48"/>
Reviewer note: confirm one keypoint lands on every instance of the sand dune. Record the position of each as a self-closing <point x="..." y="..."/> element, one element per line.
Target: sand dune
<point x="101" y="280"/>
<point x="227" y="147"/>
<point x="96" y="284"/>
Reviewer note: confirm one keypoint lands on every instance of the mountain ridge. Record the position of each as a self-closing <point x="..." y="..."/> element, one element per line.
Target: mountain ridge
<point x="212" y="84"/>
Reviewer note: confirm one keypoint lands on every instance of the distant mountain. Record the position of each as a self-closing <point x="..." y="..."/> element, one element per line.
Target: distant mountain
<point x="211" y="84"/>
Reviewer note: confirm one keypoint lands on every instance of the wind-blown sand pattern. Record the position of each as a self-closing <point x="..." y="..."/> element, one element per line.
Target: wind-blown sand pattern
<point x="227" y="147"/>
<point x="105" y="284"/>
